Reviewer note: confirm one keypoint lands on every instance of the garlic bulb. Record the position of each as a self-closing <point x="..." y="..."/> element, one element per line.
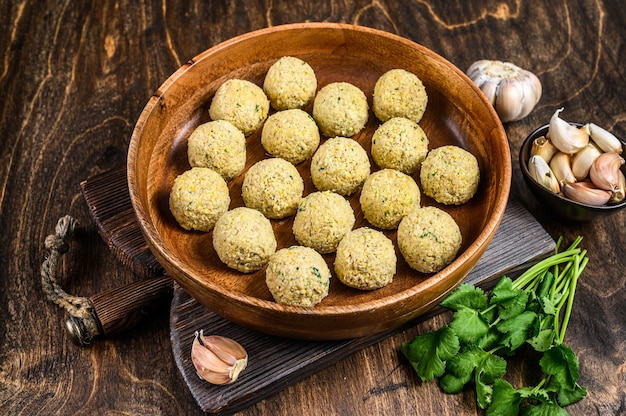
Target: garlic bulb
<point x="217" y="359"/>
<point x="511" y="90"/>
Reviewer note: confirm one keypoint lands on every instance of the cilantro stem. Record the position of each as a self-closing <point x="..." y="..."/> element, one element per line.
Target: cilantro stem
<point x="579" y="265"/>
<point x="541" y="267"/>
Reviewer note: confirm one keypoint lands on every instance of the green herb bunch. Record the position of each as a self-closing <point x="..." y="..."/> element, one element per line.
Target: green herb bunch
<point x="534" y="311"/>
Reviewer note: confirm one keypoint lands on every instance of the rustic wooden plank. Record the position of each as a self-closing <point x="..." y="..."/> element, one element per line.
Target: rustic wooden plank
<point x="110" y="208"/>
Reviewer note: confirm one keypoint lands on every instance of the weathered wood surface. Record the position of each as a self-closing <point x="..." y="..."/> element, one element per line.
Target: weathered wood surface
<point x="74" y="77"/>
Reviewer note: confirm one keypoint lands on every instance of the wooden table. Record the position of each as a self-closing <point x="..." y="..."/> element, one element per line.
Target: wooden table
<point x="74" y="77"/>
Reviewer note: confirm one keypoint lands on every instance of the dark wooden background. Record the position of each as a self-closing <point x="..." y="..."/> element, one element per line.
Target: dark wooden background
<point x="74" y="77"/>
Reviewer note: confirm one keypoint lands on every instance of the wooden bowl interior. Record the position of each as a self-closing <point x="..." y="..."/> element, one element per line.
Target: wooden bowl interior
<point x="456" y="114"/>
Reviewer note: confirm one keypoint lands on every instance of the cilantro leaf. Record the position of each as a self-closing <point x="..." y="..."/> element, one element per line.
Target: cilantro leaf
<point x="505" y="400"/>
<point x="534" y="394"/>
<point x="543" y="340"/>
<point x="474" y="362"/>
<point x="452" y="384"/>
<point x="490" y="340"/>
<point x="429" y="352"/>
<point x="459" y="371"/>
<point x="511" y="302"/>
<point x="468" y="325"/>
<point x="548" y="307"/>
<point x="518" y="329"/>
<point x="565" y="397"/>
<point x="503" y="291"/>
<point x="484" y="393"/>
<point x="466" y="296"/>
<point x="561" y="363"/>
<point x="491" y="368"/>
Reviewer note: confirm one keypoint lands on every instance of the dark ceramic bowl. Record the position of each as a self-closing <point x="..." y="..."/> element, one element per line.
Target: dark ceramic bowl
<point x="559" y="206"/>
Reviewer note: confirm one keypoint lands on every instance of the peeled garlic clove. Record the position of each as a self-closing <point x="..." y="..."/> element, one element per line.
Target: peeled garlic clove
<point x="604" y="171"/>
<point x="543" y="147"/>
<point x="565" y="137"/>
<point x="561" y="166"/>
<point x="511" y="90"/>
<point x="540" y="171"/>
<point x="605" y="139"/>
<point x="619" y="193"/>
<point x="217" y="359"/>
<point x="582" y="161"/>
<point x="586" y="193"/>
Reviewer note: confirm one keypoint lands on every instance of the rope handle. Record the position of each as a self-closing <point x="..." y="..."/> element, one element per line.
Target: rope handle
<point x="108" y="313"/>
<point x="81" y="321"/>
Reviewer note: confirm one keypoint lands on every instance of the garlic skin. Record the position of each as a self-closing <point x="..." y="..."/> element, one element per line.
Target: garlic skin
<point x="543" y="147"/>
<point x="566" y="137"/>
<point x="217" y="359"/>
<point x="619" y="193"/>
<point x="604" y="171"/>
<point x="586" y="193"/>
<point x="511" y="90"/>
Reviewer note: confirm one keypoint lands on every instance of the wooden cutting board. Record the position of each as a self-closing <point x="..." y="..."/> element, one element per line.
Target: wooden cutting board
<point x="275" y="363"/>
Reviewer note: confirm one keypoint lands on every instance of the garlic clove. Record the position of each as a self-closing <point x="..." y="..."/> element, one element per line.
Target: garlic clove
<point x="512" y="91"/>
<point x="532" y="91"/>
<point x="605" y="139"/>
<point x="561" y="166"/>
<point x="490" y="89"/>
<point x="582" y="161"/>
<point x="540" y="171"/>
<point x="509" y="99"/>
<point x="604" y="171"/>
<point x="566" y="137"/>
<point x="619" y="193"/>
<point x="586" y="193"/>
<point x="544" y="148"/>
<point x="217" y="359"/>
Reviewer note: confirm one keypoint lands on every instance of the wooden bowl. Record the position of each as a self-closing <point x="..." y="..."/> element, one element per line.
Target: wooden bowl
<point x="457" y="113"/>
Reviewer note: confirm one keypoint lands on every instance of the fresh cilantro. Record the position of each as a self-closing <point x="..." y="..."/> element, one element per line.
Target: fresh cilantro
<point x="465" y="296"/>
<point x="518" y="329"/>
<point x="510" y="302"/>
<point x="468" y="325"/>
<point x="561" y="363"/>
<point x="429" y="354"/>
<point x="531" y="311"/>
